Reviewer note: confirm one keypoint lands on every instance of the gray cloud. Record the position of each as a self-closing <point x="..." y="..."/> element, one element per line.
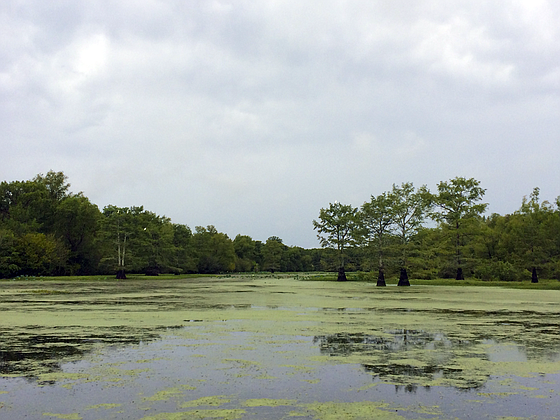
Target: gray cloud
<point x="253" y="115"/>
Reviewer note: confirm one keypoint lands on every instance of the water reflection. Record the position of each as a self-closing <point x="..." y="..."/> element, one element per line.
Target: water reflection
<point x="411" y="358"/>
<point x="390" y="351"/>
<point x="33" y="351"/>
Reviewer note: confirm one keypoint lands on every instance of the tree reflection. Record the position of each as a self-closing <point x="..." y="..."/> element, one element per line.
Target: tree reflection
<point x="33" y="351"/>
<point x="390" y="351"/>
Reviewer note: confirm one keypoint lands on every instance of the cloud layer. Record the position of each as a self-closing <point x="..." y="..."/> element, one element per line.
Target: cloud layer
<point x="253" y="115"/>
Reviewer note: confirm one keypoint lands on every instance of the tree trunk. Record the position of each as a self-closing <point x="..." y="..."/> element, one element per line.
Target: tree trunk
<point x="121" y="275"/>
<point x="534" y="277"/>
<point x="403" y="278"/>
<point x="381" y="278"/>
<point x="341" y="274"/>
<point x="459" y="275"/>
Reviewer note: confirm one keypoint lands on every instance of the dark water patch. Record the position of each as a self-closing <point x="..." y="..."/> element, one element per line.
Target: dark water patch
<point x="33" y="351"/>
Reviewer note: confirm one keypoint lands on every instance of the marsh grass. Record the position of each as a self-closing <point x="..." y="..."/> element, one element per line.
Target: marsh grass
<point x="354" y="277"/>
<point x="543" y="284"/>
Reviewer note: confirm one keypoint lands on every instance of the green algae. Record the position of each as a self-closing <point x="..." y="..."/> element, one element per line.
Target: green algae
<point x="73" y="416"/>
<point x="352" y="411"/>
<point x="232" y="414"/>
<point x="424" y="336"/>
<point x="214" y="401"/>
<point x="169" y="393"/>
<point x="103" y="406"/>
<point x="268" y="402"/>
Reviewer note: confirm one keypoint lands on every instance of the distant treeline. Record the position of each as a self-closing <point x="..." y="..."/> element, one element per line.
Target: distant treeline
<point x="47" y="230"/>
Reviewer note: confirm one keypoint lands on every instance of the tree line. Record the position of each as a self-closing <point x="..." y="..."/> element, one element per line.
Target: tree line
<point x="45" y="229"/>
<point x="389" y="234"/>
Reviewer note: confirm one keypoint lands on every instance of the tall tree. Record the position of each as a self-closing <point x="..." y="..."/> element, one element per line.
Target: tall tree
<point x="214" y="250"/>
<point x="76" y="223"/>
<point x="155" y="248"/>
<point x="531" y="224"/>
<point x="377" y="217"/>
<point x="457" y="202"/>
<point x="184" y="260"/>
<point x="409" y="211"/>
<point x="337" y="227"/>
<point x="119" y="228"/>
<point x="246" y="253"/>
<point x="273" y="251"/>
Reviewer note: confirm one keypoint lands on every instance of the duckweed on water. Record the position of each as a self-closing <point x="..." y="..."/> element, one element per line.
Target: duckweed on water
<point x="73" y="416"/>
<point x="199" y="414"/>
<point x="169" y="393"/>
<point x="234" y="347"/>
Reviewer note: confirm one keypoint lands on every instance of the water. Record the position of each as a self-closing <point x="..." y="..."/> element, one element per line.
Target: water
<point x="319" y="353"/>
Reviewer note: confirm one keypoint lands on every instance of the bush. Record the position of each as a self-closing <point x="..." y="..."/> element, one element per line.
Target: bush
<point x="498" y="271"/>
<point x="366" y="275"/>
<point x="427" y="274"/>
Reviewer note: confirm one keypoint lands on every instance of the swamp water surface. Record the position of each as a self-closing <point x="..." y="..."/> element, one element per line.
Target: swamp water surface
<point x="276" y="348"/>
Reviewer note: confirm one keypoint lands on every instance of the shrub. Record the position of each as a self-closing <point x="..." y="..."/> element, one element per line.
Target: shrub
<point x="497" y="271"/>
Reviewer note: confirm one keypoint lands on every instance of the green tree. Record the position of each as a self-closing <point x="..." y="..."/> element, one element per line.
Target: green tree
<point x="409" y="212"/>
<point x="45" y="205"/>
<point x="245" y="250"/>
<point x="39" y="254"/>
<point x="8" y="265"/>
<point x="55" y="184"/>
<point x="273" y="252"/>
<point x="214" y="250"/>
<point x="76" y="223"/>
<point x="377" y="218"/>
<point x="297" y="259"/>
<point x="56" y="190"/>
<point x="457" y="203"/>
<point x="184" y="260"/>
<point x="118" y="227"/>
<point x="337" y="228"/>
<point x="531" y="226"/>
<point x="22" y="206"/>
<point x="154" y="242"/>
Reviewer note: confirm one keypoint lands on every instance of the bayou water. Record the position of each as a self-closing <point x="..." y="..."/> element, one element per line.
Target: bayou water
<point x="276" y="347"/>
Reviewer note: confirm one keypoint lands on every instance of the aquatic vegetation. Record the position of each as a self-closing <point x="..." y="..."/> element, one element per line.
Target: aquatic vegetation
<point x="273" y="348"/>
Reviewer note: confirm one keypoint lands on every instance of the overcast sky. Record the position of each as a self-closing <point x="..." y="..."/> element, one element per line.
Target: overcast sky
<point x="252" y="115"/>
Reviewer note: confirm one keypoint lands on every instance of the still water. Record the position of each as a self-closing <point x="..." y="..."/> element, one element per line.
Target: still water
<point x="276" y="348"/>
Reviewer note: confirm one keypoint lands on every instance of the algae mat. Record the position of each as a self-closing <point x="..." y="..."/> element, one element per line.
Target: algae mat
<point x="276" y="348"/>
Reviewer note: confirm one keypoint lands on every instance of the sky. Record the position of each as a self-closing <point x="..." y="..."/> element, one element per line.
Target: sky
<point x="253" y="115"/>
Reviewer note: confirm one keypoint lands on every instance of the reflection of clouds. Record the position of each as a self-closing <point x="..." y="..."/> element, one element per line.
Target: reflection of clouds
<point x="411" y="358"/>
<point x="392" y="353"/>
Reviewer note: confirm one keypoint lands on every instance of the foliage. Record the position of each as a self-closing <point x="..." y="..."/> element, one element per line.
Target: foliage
<point x="338" y="228"/>
<point x="273" y="252"/>
<point x="457" y="203"/>
<point x="214" y="251"/>
<point x="377" y="219"/>
<point x="46" y="230"/>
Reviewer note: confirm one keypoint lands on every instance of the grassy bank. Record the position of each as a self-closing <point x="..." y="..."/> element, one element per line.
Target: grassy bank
<point x="543" y="284"/>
